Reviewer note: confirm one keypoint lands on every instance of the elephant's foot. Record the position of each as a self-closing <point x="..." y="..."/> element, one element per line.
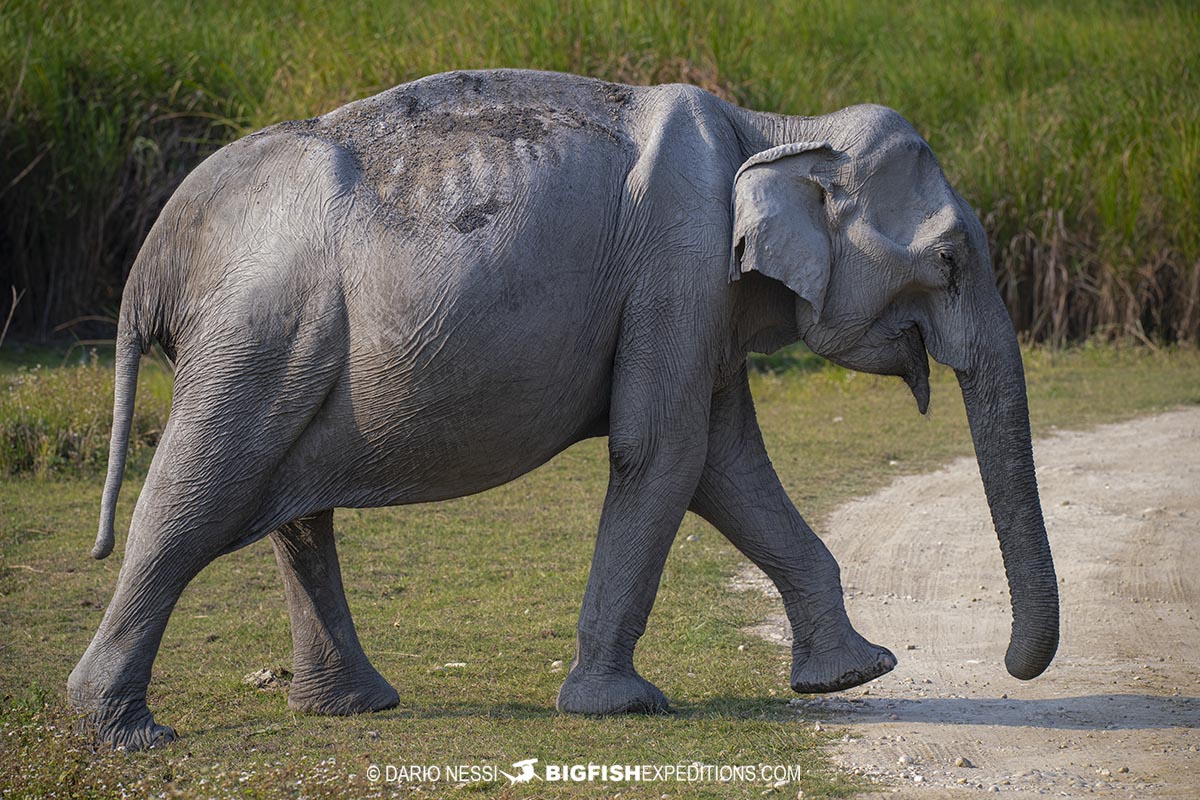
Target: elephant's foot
<point x="853" y="663"/>
<point x="138" y="733"/>
<point x="610" y="692"/>
<point x="125" y="726"/>
<point x="341" y="692"/>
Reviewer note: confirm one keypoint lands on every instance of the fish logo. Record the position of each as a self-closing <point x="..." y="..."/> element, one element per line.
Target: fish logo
<point x="525" y="775"/>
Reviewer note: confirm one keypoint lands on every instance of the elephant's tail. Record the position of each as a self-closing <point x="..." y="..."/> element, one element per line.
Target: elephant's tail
<point x="130" y="345"/>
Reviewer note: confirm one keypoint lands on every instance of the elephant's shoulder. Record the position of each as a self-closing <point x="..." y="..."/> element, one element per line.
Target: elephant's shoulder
<point x="687" y="150"/>
<point x="683" y="127"/>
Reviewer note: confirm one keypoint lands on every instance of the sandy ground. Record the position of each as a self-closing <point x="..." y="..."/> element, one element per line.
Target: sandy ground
<point x="1117" y="713"/>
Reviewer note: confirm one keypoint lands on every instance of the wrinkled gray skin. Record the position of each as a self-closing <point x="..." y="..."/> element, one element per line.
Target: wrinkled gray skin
<point x="430" y="292"/>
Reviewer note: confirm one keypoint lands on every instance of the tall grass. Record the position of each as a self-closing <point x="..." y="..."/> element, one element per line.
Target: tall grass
<point x="56" y="422"/>
<point x="1073" y="127"/>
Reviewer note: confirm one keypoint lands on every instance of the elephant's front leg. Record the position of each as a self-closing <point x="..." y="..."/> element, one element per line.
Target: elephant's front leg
<point x="657" y="442"/>
<point x="740" y="494"/>
<point x="333" y="675"/>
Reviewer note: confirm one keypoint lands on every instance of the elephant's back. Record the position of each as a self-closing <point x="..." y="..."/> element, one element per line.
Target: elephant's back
<point x="468" y="107"/>
<point x="419" y="147"/>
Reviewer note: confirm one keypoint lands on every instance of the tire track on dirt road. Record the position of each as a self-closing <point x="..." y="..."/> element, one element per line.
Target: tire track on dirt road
<point x="1117" y="712"/>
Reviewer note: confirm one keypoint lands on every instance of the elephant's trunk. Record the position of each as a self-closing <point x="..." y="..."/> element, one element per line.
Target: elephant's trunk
<point x="993" y="387"/>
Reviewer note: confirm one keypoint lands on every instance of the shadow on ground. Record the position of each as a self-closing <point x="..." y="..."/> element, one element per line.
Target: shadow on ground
<point x="1084" y="712"/>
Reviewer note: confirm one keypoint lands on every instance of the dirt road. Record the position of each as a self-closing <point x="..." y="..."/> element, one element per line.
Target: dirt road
<point x="1117" y="714"/>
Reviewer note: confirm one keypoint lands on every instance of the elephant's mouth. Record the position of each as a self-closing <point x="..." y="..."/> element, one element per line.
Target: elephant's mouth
<point x="916" y="365"/>
<point x="889" y="347"/>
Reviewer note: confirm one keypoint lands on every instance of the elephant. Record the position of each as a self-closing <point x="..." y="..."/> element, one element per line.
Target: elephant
<point x="432" y="291"/>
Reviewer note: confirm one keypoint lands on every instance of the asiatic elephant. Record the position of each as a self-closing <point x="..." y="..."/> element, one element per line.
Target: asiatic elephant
<point x="434" y="290"/>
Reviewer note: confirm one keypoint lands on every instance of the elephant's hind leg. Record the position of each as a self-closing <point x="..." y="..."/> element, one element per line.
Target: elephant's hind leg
<point x="108" y="685"/>
<point x="182" y="522"/>
<point x="332" y="674"/>
<point x="237" y="411"/>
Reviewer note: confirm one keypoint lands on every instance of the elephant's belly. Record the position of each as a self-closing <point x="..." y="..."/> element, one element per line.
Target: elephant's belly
<point x="482" y="433"/>
<point x="394" y="433"/>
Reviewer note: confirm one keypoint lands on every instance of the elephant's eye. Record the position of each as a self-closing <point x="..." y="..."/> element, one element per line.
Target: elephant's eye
<point x="947" y="257"/>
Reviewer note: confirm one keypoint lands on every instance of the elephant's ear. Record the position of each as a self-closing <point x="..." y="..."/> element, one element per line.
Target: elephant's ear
<point x="780" y="219"/>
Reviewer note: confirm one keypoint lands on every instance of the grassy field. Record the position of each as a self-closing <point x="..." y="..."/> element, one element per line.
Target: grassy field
<point x="491" y="582"/>
<point x="53" y="421"/>
<point x="1073" y="127"/>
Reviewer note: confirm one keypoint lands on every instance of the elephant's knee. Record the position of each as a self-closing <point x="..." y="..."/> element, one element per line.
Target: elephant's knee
<point x="631" y="455"/>
<point x="627" y="455"/>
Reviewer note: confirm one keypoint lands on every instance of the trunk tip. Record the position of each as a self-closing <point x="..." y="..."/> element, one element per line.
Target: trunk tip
<point x="1025" y="666"/>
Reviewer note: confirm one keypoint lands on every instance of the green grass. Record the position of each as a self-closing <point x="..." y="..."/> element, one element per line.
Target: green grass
<point x="492" y="581"/>
<point x="1073" y="127"/>
<point x="57" y="421"/>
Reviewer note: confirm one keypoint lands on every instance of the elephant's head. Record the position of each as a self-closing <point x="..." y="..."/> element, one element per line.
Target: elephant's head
<point x="886" y="261"/>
